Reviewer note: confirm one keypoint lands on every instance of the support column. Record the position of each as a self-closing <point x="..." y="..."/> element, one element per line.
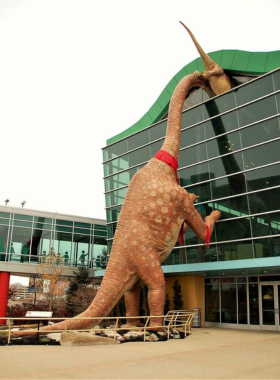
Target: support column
<point x="4" y="293"/>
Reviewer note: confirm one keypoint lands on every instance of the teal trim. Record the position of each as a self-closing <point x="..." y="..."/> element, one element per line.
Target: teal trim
<point x="234" y="61"/>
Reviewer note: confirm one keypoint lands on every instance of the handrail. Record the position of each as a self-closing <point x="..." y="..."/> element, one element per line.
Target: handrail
<point x="178" y="323"/>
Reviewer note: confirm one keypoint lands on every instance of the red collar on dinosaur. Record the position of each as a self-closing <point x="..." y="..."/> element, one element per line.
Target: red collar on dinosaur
<point x="166" y="157"/>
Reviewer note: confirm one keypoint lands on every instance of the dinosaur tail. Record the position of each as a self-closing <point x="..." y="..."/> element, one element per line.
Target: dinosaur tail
<point x="117" y="279"/>
<point x="208" y="62"/>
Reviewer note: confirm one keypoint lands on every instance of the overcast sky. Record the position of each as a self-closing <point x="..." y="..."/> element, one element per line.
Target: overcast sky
<point x="74" y="73"/>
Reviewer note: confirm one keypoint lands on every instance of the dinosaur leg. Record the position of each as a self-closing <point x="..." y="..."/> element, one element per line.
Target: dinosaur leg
<point x="150" y="271"/>
<point x="132" y="301"/>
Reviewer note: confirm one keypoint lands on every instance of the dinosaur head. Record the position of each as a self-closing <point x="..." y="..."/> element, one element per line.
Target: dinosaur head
<point x="218" y="80"/>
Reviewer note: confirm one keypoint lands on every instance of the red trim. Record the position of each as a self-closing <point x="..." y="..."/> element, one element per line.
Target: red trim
<point x="166" y="157"/>
<point x="207" y="239"/>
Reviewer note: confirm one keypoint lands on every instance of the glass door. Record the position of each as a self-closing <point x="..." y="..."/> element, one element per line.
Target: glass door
<point x="269" y="306"/>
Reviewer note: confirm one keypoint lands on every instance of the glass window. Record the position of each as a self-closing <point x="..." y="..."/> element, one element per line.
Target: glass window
<point x="223" y="145"/>
<point x="263" y="178"/>
<point x="100" y="252"/>
<point x="82" y="225"/>
<point x="257" y="111"/>
<point x="192" y="136"/>
<point x="155" y="147"/>
<point x="242" y="304"/>
<point x="20" y="244"/>
<point x="212" y="303"/>
<point x="267" y="247"/>
<point x="238" y="250"/>
<point x="193" y="98"/>
<point x="4" y="215"/>
<point x="266" y="224"/>
<point x="118" y="180"/>
<point x="137" y="140"/>
<point x="228" y="303"/>
<point x="64" y="229"/>
<point x="62" y="247"/>
<point x="115" y="150"/>
<point x="23" y="217"/>
<point x="260" y="132"/>
<point x="116" y="165"/>
<point x="221" y="124"/>
<point x="226" y="165"/>
<point x="81" y="250"/>
<point x="233" y="229"/>
<point x="194" y="174"/>
<point x="41" y="243"/>
<point x="158" y="131"/>
<point x="261" y="155"/>
<point x="115" y="197"/>
<point x="64" y="222"/>
<point x="3" y="241"/>
<point x="203" y="191"/>
<point x="228" y="186"/>
<point x="111" y="229"/>
<point x="42" y="220"/>
<point x="268" y="200"/>
<point x="253" y="279"/>
<point x="19" y="223"/>
<point x="254" y="90"/>
<point x="139" y="156"/>
<point x="219" y="105"/>
<point x="113" y="214"/>
<point x="192" y="116"/>
<point x="82" y="231"/>
<point x="212" y="280"/>
<point x="232" y="207"/>
<point x="254" y="304"/>
<point x="192" y="155"/>
<point x="276" y="79"/>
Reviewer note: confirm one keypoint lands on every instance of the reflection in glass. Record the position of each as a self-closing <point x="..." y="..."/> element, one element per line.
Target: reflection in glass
<point x="194" y="174"/>
<point x="262" y="178"/>
<point x="261" y="155"/>
<point x="239" y="250"/>
<point x="267" y="130"/>
<point x="242" y="303"/>
<point x="267" y="224"/>
<point x="254" y="90"/>
<point x="62" y="245"/>
<point x="192" y="155"/>
<point x="228" y="303"/>
<point x="192" y="136"/>
<point x="20" y="244"/>
<point x="268" y="313"/>
<point x="264" y="201"/>
<point x="254" y="304"/>
<point x="257" y="111"/>
<point x="41" y="243"/>
<point x="3" y="241"/>
<point x="80" y="244"/>
<point x="233" y="229"/>
<point x="212" y="304"/>
<point x="267" y="247"/>
<point x="223" y="144"/>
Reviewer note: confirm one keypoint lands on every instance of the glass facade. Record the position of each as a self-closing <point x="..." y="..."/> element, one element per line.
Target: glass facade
<point x="31" y="238"/>
<point x="230" y="157"/>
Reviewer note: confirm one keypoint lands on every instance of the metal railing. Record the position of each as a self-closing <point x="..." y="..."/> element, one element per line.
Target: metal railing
<point x="177" y="319"/>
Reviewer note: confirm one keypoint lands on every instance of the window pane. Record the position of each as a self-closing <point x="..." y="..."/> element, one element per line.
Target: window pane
<point x="23" y="217"/>
<point x="228" y="301"/>
<point x="228" y="186"/>
<point x="268" y="247"/>
<point x="100" y="253"/>
<point x="192" y="116"/>
<point x="3" y="241"/>
<point x="257" y="111"/>
<point x="267" y="224"/>
<point x="139" y="156"/>
<point x="20" y="244"/>
<point x="233" y="229"/>
<point x="262" y="155"/>
<point x="254" y="90"/>
<point x="202" y="191"/>
<point x="230" y="208"/>
<point x="137" y="140"/>
<point x="226" y="165"/>
<point x="115" y="150"/>
<point x="192" y="136"/>
<point x="239" y="250"/>
<point x="221" y="124"/>
<point x="81" y="250"/>
<point x="156" y="147"/>
<point x="41" y="241"/>
<point x="115" y="197"/>
<point x="242" y="304"/>
<point x="276" y="78"/>
<point x="264" y="177"/>
<point x="113" y="214"/>
<point x="116" y="165"/>
<point x="192" y="155"/>
<point x="254" y="304"/>
<point x="158" y="131"/>
<point x="197" y="173"/>
<point x="212" y="304"/>
<point x="260" y="132"/>
<point x="4" y="215"/>
<point x="264" y="201"/>
<point x="62" y="246"/>
<point x="223" y="145"/>
<point x="193" y="99"/>
<point x="111" y="229"/>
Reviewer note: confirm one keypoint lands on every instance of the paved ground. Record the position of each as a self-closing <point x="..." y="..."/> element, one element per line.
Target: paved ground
<point x="205" y="354"/>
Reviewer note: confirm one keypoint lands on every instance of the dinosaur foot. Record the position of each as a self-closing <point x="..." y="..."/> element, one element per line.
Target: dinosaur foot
<point x="31" y="332"/>
<point x="198" y="75"/>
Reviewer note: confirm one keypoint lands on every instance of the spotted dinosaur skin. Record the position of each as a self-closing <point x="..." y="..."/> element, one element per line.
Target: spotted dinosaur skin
<point x="154" y="209"/>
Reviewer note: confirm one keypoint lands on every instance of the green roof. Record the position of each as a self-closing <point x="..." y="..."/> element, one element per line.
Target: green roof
<point x="234" y="61"/>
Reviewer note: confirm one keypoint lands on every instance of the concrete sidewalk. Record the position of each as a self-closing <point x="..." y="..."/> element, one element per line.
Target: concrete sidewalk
<point x="207" y="353"/>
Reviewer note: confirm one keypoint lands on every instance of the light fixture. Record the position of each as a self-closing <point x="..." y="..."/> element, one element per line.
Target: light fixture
<point x="23" y="203"/>
<point x="223" y="274"/>
<point x="265" y="272"/>
<point x="7" y="201"/>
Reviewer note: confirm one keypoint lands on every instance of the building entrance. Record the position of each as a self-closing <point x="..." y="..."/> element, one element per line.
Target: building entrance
<point x="269" y="306"/>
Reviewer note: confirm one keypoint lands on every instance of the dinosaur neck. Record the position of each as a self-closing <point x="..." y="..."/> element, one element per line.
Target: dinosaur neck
<point x="173" y="134"/>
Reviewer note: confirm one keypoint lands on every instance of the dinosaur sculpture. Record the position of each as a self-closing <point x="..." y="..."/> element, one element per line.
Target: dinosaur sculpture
<point x="154" y="211"/>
